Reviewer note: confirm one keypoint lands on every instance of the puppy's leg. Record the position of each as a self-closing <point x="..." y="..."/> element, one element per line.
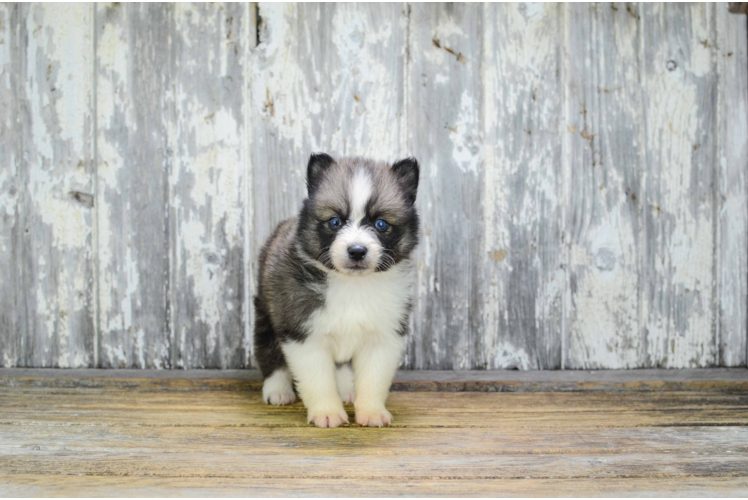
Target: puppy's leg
<point x="346" y="389"/>
<point x="278" y="388"/>
<point x="313" y="368"/>
<point x="374" y="367"/>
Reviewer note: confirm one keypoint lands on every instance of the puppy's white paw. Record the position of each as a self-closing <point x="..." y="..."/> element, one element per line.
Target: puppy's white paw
<point x="344" y="376"/>
<point x="373" y="418"/>
<point x="278" y="388"/>
<point x="280" y="398"/>
<point x="327" y="418"/>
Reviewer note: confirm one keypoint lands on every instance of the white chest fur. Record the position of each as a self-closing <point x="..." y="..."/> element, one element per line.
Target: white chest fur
<point x="361" y="309"/>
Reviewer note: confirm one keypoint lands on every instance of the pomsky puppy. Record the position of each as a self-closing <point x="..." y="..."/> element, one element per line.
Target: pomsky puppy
<point x="335" y="288"/>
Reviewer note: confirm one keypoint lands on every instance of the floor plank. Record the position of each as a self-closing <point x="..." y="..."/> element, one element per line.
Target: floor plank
<point x="72" y="486"/>
<point x="183" y="439"/>
<point x="417" y="409"/>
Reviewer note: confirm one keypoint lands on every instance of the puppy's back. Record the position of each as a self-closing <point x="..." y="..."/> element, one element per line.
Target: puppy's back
<point x="276" y="247"/>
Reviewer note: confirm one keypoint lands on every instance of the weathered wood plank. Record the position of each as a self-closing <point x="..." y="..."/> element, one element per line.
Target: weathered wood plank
<point x="482" y="441"/>
<point x="246" y="464"/>
<point x="12" y="322"/>
<point x="445" y="123"/>
<point x="114" y="407"/>
<point x="55" y="104"/>
<point x="133" y="64"/>
<point x="524" y="278"/>
<point x="413" y="443"/>
<point x="677" y="191"/>
<point x="326" y="77"/>
<point x="437" y="437"/>
<point x="653" y="184"/>
<point x="726" y="380"/>
<point x="603" y="136"/>
<point x="208" y="182"/>
<point x="97" y="486"/>
<point x="732" y="191"/>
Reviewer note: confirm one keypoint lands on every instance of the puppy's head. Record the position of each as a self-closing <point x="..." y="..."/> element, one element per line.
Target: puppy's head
<point x="360" y="216"/>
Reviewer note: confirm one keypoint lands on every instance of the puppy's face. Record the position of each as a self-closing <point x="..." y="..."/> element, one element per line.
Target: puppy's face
<point x="360" y="216"/>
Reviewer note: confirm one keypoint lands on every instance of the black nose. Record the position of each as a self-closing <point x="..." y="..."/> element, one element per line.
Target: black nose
<point x="357" y="252"/>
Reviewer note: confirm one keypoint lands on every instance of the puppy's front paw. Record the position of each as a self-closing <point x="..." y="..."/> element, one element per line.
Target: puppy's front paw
<point x="373" y="418"/>
<point x="327" y="418"/>
<point x="280" y="398"/>
<point x="277" y="389"/>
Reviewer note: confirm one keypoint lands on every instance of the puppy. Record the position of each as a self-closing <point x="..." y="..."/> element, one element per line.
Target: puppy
<point x="335" y="288"/>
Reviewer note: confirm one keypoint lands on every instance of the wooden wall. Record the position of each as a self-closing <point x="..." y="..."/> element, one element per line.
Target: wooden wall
<point x="583" y="194"/>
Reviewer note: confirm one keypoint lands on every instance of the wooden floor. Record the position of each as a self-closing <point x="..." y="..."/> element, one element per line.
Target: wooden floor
<point x="85" y="435"/>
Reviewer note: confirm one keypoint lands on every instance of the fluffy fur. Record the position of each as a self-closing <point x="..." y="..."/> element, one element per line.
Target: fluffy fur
<point x="334" y="290"/>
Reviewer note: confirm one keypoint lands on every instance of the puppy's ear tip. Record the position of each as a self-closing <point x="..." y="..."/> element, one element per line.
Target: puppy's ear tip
<point x="406" y="163"/>
<point x="320" y="156"/>
<point x="407" y="172"/>
<point x="408" y="159"/>
<point x="406" y="167"/>
<point x="318" y="163"/>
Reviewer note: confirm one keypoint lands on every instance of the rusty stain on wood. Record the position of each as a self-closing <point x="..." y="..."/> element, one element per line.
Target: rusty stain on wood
<point x="498" y="255"/>
<point x="438" y="45"/>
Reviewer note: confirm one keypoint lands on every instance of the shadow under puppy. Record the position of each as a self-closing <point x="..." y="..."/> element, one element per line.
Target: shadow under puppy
<point x="335" y="288"/>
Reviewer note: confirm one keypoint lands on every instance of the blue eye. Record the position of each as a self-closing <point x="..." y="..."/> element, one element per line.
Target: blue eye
<point x="380" y="224"/>
<point x="335" y="223"/>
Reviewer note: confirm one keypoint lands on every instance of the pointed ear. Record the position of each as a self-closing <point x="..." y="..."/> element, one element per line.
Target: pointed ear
<point x="318" y="163"/>
<point x="406" y="172"/>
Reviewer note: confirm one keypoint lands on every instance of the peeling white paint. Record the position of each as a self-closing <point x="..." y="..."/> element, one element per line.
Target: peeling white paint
<point x="466" y="145"/>
<point x="509" y="357"/>
<point x="679" y="315"/>
<point x="115" y="355"/>
<point x="9" y="194"/>
<point x="207" y="184"/>
<point x="521" y="102"/>
<point x="55" y="124"/>
<point x="589" y="158"/>
<point x="732" y="220"/>
<point x="126" y="247"/>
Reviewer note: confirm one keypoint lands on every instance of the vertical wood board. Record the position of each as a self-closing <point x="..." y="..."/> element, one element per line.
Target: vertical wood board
<point x="52" y="64"/>
<point x="133" y="73"/>
<point x="732" y="190"/>
<point x="12" y="324"/>
<point x="603" y="131"/>
<point x="522" y="259"/>
<point x="207" y="185"/>
<point x="679" y="87"/>
<point x="445" y="132"/>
